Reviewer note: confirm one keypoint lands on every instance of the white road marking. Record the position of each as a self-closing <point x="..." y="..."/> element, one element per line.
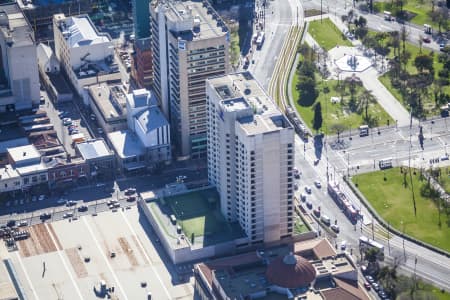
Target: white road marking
<point x="145" y="254"/>
<point x="106" y="259"/>
<point x="26" y="276"/>
<point x="64" y="262"/>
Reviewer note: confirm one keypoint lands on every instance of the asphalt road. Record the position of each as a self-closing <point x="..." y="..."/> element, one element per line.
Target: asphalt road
<point x="430" y="265"/>
<point x="375" y="22"/>
<point x="97" y="194"/>
<point x="280" y="15"/>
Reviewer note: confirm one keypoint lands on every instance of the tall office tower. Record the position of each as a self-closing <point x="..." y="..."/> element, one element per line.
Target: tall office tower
<point x="190" y="43"/>
<point x="141" y="18"/>
<point x="250" y="157"/>
<point x="19" y="75"/>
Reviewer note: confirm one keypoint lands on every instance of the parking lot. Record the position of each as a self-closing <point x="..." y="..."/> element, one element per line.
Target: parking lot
<point x="68" y="259"/>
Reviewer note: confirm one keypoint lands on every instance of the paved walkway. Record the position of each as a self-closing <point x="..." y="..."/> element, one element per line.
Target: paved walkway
<point x="368" y="77"/>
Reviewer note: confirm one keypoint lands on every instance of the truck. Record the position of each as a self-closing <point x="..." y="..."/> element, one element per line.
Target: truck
<point x="260" y="40"/>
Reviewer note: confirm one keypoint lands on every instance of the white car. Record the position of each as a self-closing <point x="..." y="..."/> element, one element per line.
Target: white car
<point x="343" y="245"/>
<point x="317" y="184"/>
<point x="67" y="215"/>
<point x="41" y="197"/>
<point x="308" y="189"/>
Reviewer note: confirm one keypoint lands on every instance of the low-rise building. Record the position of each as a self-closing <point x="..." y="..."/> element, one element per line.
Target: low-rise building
<point x="9" y="179"/>
<point x="47" y="61"/>
<point x="108" y="103"/>
<point x="146" y="144"/>
<point x="306" y="270"/>
<point x="27" y="162"/>
<point x="99" y="158"/>
<point x="64" y="173"/>
<point x="86" y="55"/>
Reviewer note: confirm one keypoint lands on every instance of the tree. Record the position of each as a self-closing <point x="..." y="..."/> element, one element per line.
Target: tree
<point x="423" y="63"/>
<point x="318" y="119"/>
<point x="337" y="128"/>
<point x="388" y="277"/>
<point x="365" y="99"/>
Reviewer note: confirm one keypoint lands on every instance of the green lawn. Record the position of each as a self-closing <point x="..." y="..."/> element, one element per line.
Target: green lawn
<point x="420" y="8"/>
<point x="393" y="201"/>
<point x="195" y="213"/>
<point x="339" y="112"/>
<point x="299" y="226"/>
<point x="326" y="34"/>
<point x="429" y="103"/>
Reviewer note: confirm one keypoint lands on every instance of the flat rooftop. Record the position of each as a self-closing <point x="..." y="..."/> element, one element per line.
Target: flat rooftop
<point x="239" y="91"/>
<point x="110" y="100"/>
<point x="203" y="21"/>
<point x="93" y="149"/>
<point x="18" y="27"/>
<point x="81" y="32"/>
<point x="64" y="245"/>
<point x="24" y="153"/>
<point x="126" y="143"/>
<point x="197" y="213"/>
<point x="8" y="172"/>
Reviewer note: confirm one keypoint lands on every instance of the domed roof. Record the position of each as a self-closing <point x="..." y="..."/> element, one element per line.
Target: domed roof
<point x="290" y="271"/>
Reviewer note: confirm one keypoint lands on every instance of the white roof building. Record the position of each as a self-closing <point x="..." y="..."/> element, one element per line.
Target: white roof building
<point x="47" y="60"/>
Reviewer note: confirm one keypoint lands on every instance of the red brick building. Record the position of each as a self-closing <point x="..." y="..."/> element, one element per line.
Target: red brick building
<point x="142" y="67"/>
<point x="63" y="173"/>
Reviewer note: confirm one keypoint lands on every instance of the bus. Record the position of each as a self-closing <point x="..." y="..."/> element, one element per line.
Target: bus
<point x="385" y="163"/>
<point x="260" y="40"/>
<point x="427" y="29"/>
<point x="365" y="243"/>
<point x="363" y="130"/>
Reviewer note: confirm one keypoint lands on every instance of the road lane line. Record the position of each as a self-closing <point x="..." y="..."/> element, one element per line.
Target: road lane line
<point x="146" y="255"/>
<point x="26" y="276"/>
<point x="64" y="262"/>
<point x="104" y="257"/>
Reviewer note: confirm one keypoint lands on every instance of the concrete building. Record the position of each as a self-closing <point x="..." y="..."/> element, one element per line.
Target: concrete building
<point x="98" y="157"/>
<point x="142" y="66"/>
<point x="304" y="270"/>
<point x="250" y="157"/>
<point x="19" y="76"/>
<point x="108" y="103"/>
<point x="146" y="143"/>
<point x="141" y="18"/>
<point x="190" y="43"/>
<point x="47" y="61"/>
<point x="27" y="162"/>
<point x="86" y="55"/>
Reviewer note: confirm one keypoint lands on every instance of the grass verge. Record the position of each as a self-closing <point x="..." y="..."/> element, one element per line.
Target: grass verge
<point x="326" y="34"/>
<point x="392" y="199"/>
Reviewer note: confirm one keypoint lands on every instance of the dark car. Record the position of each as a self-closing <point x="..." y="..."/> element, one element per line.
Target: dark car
<point x="367" y="286"/>
<point x="131" y="199"/>
<point x="11" y="223"/>
<point x="130" y="191"/>
<point x="82" y="208"/>
<point x="45" y="216"/>
<point x="426" y="39"/>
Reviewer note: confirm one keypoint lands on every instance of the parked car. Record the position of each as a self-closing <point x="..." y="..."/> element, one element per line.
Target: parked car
<point x="426" y="39"/>
<point x="309" y="205"/>
<point x="23" y="223"/>
<point x="131" y="199"/>
<point x="45" y="216"/>
<point x="67" y="215"/>
<point x="63" y="114"/>
<point x="72" y="132"/>
<point x="82" y="208"/>
<point x="308" y="189"/>
<point x="11" y="223"/>
<point x="335" y="228"/>
<point x="67" y="121"/>
<point x="375" y="286"/>
<point x="296" y="186"/>
<point x="130" y="191"/>
<point x="370" y="279"/>
<point x="303" y="197"/>
<point x="70" y="203"/>
<point x="317" y="184"/>
<point x="367" y="286"/>
<point x="343" y="245"/>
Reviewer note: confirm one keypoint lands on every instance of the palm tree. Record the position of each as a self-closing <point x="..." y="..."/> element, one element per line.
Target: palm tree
<point x="388" y="276"/>
<point x="365" y="99"/>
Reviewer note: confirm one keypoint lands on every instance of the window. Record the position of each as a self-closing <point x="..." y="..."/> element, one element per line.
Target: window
<point x="43" y="177"/>
<point x="34" y="179"/>
<point x="26" y="180"/>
